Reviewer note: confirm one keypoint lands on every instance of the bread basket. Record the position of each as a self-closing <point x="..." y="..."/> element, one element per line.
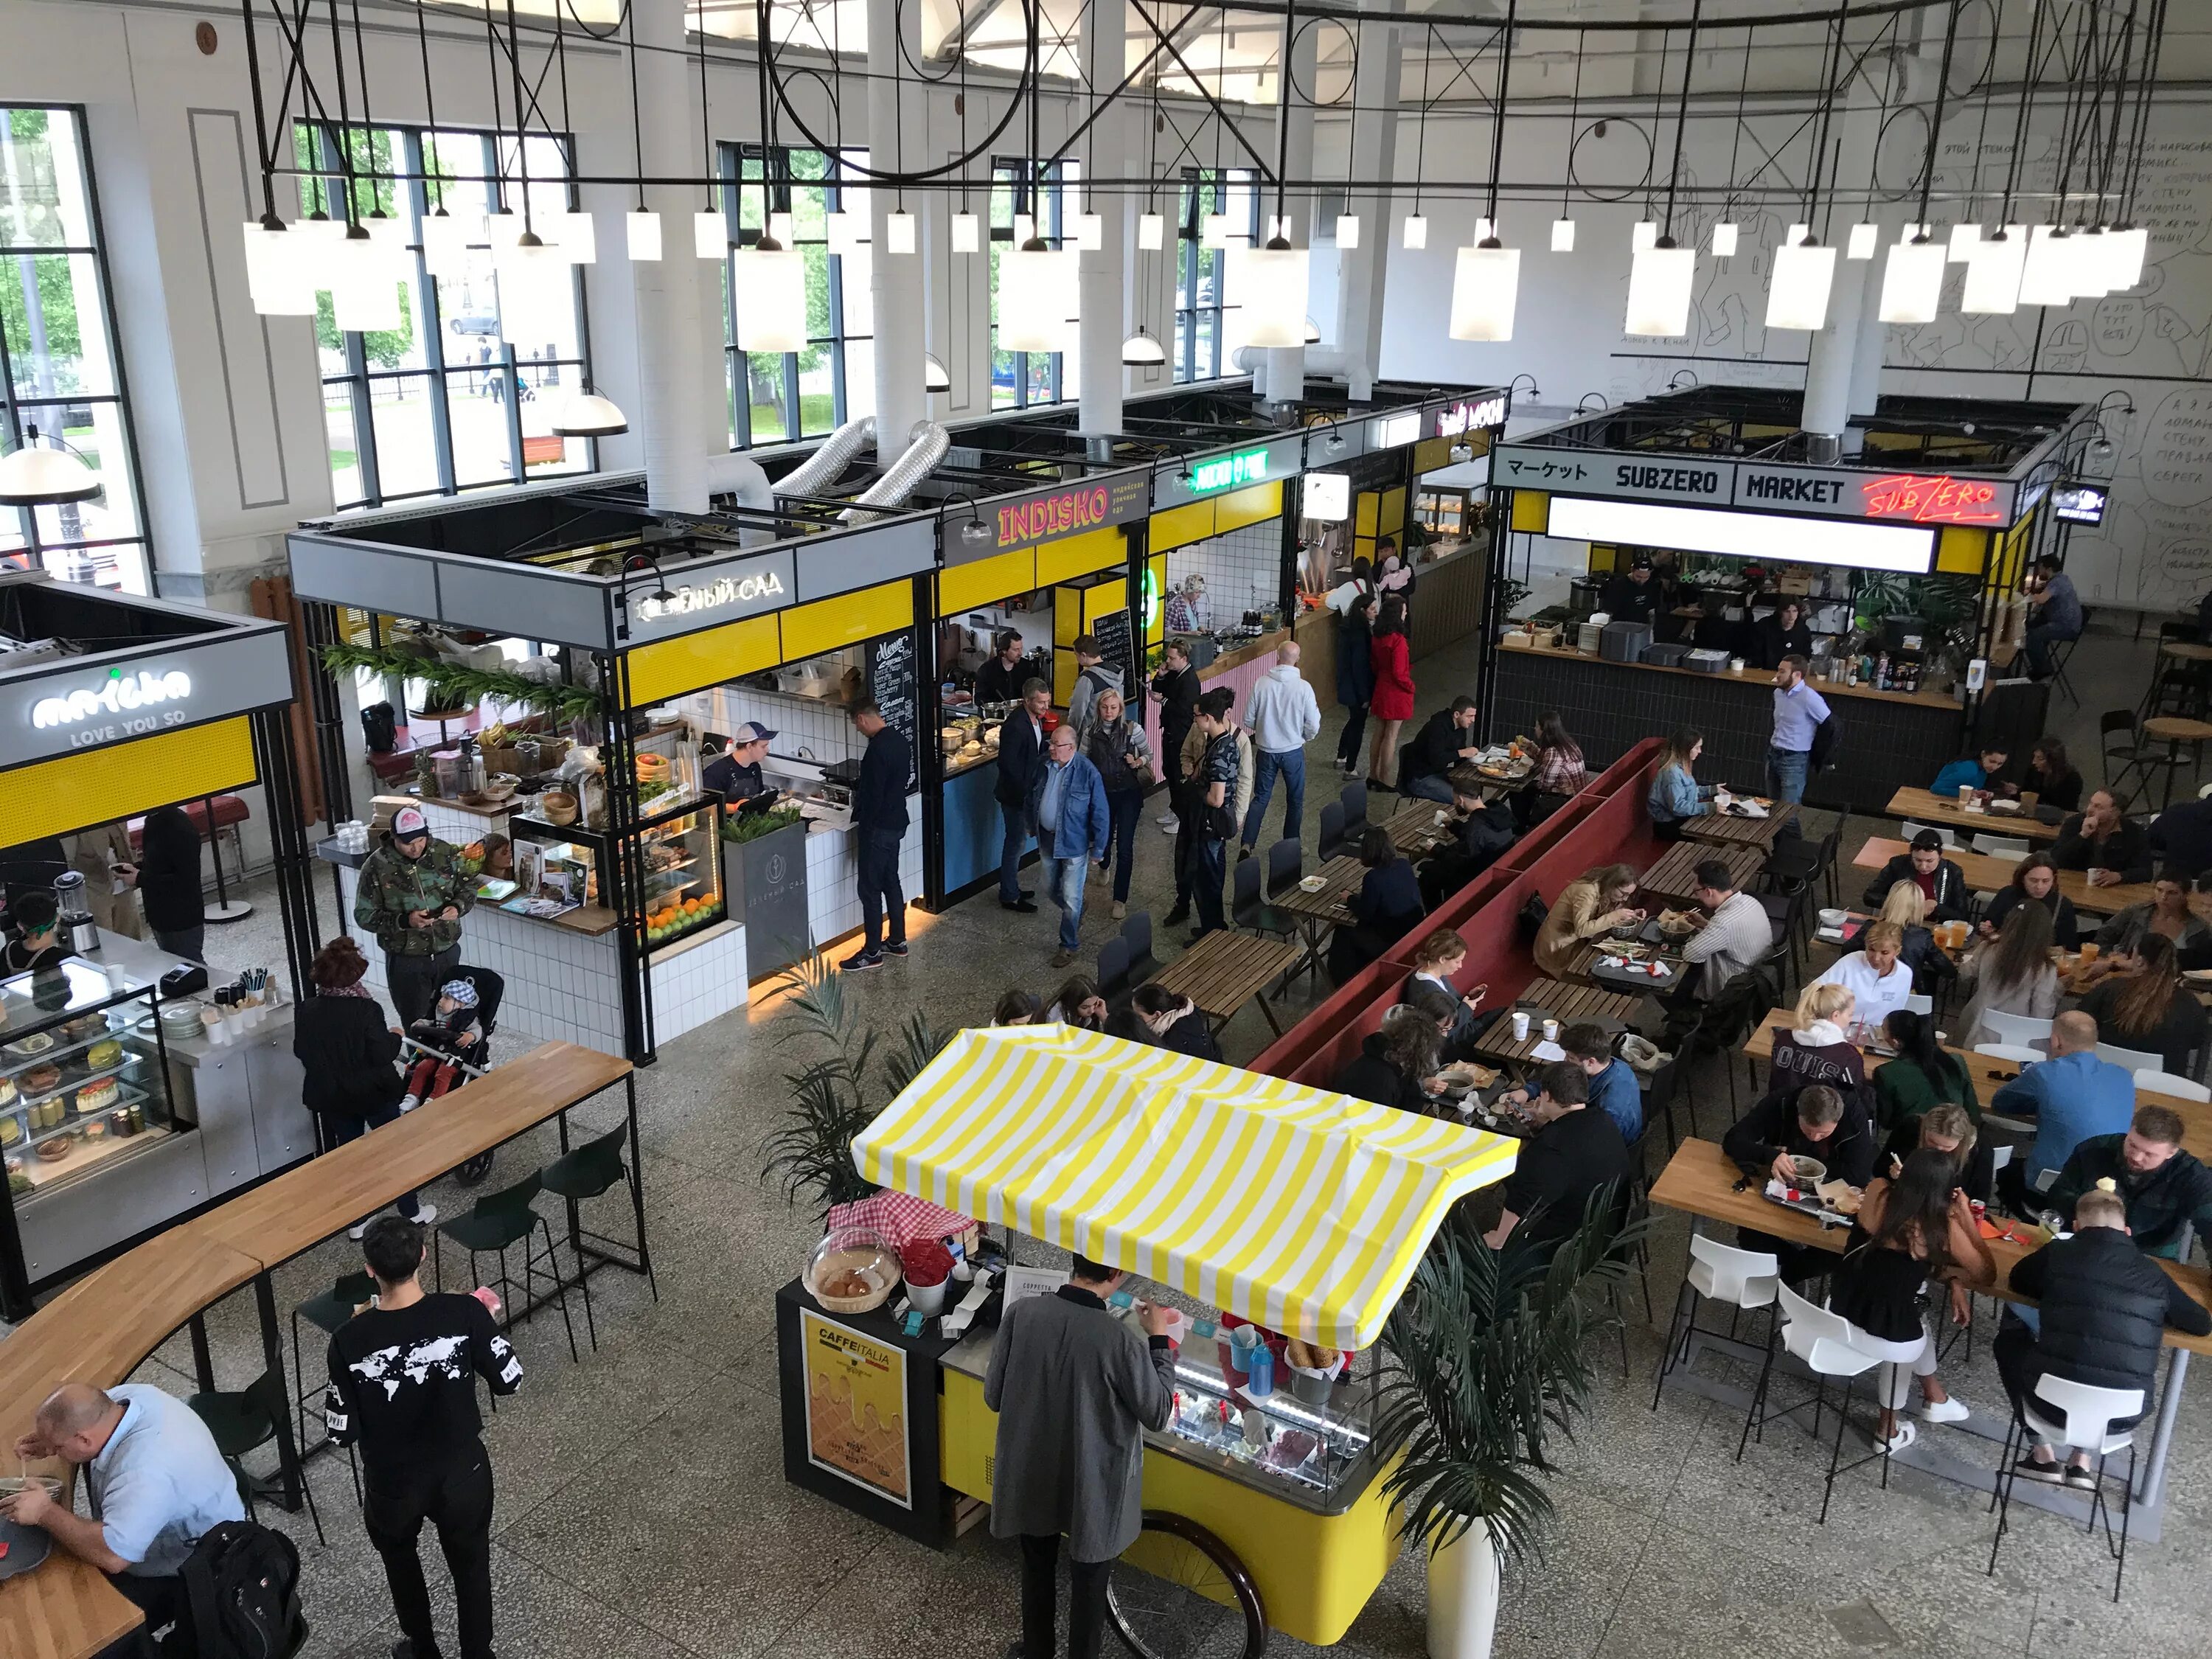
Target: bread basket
<point x="853" y="1250"/>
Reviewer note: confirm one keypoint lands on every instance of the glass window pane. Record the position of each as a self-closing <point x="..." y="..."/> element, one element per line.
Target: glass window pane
<point x="764" y="389"/>
<point x="1002" y="379"/>
<point x="406" y="449"/>
<point x="338" y="430"/>
<point x="476" y="407"/>
<point x="860" y="378"/>
<point x="96" y="432"/>
<point x="43" y="199"/>
<point x="51" y="306"/>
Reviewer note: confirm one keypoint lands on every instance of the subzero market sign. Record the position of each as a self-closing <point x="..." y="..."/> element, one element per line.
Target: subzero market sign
<point x="1861" y="493"/>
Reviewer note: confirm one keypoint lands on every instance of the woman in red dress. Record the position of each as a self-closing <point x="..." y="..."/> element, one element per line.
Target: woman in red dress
<point x="1393" y="704"/>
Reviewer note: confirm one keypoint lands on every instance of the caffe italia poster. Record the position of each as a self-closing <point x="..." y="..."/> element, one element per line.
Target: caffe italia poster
<point x="856" y="1407"/>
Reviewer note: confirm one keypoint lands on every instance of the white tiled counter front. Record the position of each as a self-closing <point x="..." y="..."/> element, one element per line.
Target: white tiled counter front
<point x="833" y="876"/>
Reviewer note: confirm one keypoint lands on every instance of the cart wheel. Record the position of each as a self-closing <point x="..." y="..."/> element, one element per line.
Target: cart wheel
<point x="474" y="1170"/>
<point x="1192" y="1599"/>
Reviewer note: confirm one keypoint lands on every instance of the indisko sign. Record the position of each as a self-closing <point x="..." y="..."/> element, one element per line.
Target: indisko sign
<point x="1043" y="517"/>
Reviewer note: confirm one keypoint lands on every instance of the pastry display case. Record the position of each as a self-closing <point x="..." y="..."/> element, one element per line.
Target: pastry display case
<point x="680" y="851"/>
<point x="568" y="875"/>
<point x="1306" y="1440"/>
<point x="84" y="1074"/>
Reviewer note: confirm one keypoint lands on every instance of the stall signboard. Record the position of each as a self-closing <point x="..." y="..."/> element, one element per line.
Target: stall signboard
<point x="1017" y="522"/>
<point x="1117" y="642"/>
<point x="1226" y="470"/>
<point x="1326" y="496"/>
<point x="75" y="703"/>
<point x="856" y="1426"/>
<point x="1599" y="472"/>
<point x="1862" y="493"/>
<point x="1394" y="431"/>
<point x="706" y="593"/>
<point x="1905" y="548"/>
<point x="2080" y="501"/>
<point x="889" y="669"/>
<point x="1472" y="414"/>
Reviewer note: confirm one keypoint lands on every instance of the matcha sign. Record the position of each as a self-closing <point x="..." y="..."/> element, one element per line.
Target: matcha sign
<point x="1247" y="466"/>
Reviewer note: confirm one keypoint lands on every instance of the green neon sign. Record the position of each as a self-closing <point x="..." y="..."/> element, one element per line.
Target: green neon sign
<point x="1247" y="466"/>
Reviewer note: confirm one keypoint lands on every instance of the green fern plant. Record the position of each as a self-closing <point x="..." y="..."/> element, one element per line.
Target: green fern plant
<point x="1486" y="1362"/>
<point x="458" y="686"/>
<point x="847" y="1076"/>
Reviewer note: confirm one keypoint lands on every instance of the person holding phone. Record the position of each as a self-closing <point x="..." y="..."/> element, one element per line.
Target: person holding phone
<point x="104" y="856"/>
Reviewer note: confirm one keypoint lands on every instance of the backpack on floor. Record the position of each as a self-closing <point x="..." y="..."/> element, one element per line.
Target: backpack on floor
<point x="242" y="1584"/>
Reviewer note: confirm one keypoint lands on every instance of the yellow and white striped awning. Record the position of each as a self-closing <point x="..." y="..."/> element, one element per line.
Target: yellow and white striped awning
<point x="1297" y="1209"/>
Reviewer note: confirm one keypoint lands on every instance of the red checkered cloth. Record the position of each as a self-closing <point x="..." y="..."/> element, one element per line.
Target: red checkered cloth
<point x="899" y="1218"/>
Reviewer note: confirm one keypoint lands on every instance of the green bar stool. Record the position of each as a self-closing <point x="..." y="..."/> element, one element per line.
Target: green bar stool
<point x="493" y="1225"/>
<point x="242" y="1420"/>
<point x="327" y="1313"/>
<point x="593" y="1168"/>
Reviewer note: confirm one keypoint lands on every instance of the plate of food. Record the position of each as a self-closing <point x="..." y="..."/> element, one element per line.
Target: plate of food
<point x="1313" y="884"/>
<point x="1677" y="924"/>
<point x="1462" y="1075"/>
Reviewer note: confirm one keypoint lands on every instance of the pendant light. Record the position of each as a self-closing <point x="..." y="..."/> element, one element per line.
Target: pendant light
<point x="967" y="233"/>
<point x="1273" y="284"/>
<point x="1993" y="273"/>
<point x="1141" y="350"/>
<point x="900" y="235"/>
<point x="588" y="414"/>
<point x="1090" y="232"/>
<point x="1487" y="284"/>
<point x="933" y="375"/>
<point x="2124" y="248"/>
<point x="1313" y="333"/>
<point x="1151" y="231"/>
<point x="1417" y="230"/>
<point x="1797" y="292"/>
<point x="1726" y="231"/>
<point x="768" y="281"/>
<point x="49" y="474"/>
<point x="1347" y="231"/>
<point x="641" y="235"/>
<point x="1913" y="280"/>
<point x="364" y="291"/>
<point x="2090" y="278"/>
<point x="1562" y="236"/>
<point x="710" y="235"/>
<point x="2046" y="278"/>
<point x="1662" y="274"/>
<point x="279" y="281"/>
<point x="641" y="225"/>
<point x="1036" y="287"/>
<point x="1965" y="239"/>
<point x="1213" y="230"/>
<point x="1861" y="246"/>
<point x="1724" y="238"/>
<point x="1645" y="234"/>
<point x="1415" y="235"/>
<point x="448" y="236"/>
<point x="574" y="236"/>
<point x="1563" y="227"/>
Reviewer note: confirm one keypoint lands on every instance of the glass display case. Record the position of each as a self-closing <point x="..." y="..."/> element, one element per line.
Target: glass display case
<point x="1311" y="1447"/>
<point x="558" y="868"/>
<point x="1446" y="513"/>
<point x="83" y="1073"/>
<point x="680" y="852"/>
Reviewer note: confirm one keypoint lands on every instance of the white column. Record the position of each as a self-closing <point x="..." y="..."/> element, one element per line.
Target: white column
<point x="894" y="279"/>
<point x="1286" y="365"/>
<point x="1104" y="45"/>
<point x="1361" y="271"/>
<point x="672" y="337"/>
<point x="1851" y="307"/>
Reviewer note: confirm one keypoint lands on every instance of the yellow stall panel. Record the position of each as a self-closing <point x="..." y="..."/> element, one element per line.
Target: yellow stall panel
<point x="100" y="786"/>
<point x="1079" y="555"/>
<point x="1253" y="506"/>
<point x="1179" y="526"/>
<point x="1532" y="510"/>
<point x="809" y="631"/>
<point x="1962" y="549"/>
<point x="964" y="587"/>
<point x="668" y="668"/>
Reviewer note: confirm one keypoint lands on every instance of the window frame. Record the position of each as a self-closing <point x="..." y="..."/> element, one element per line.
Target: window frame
<point x="1205" y="190"/>
<point x="361" y="380"/>
<point x="36" y="549"/>
<point x="1048" y="197"/>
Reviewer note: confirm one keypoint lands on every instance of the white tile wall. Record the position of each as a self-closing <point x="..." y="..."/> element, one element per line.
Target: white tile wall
<point x="1243" y="570"/>
<point x="825" y="730"/>
<point x="698" y="982"/>
<point x="833" y="894"/>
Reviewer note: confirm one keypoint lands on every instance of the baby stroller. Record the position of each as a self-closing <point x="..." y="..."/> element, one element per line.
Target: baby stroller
<point x="489" y="989"/>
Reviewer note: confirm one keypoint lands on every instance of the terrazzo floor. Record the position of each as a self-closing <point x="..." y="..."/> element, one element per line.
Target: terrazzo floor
<point x="642" y="1510"/>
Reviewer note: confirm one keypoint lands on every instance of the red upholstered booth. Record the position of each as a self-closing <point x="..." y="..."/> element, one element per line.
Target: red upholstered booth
<point x="1608" y="821"/>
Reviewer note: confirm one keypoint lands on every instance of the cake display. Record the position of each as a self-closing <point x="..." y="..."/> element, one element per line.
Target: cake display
<point x="37" y="1043"/>
<point x="104" y="1054"/>
<point x="97" y="1096"/>
<point x="40" y="1080"/>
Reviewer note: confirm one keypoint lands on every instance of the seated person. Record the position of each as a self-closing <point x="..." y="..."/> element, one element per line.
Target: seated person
<point x="2036" y="877"/>
<point x="1437" y="960"/>
<point x="2164" y="1188"/>
<point x="1816" y="1048"/>
<point x="1631" y="595"/>
<point x="2167" y="912"/>
<point x="1781" y="633"/>
<point x="1735" y="935"/>
<point x="1614" y="1086"/>
<point x="2102" y="1306"/>
<point x="1907" y="909"/>
<point x="1942" y="882"/>
<point x="1018" y="1007"/>
<point x="1676" y="794"/>
<point x="1588" y="908"/>
<point x="1574" y="1154"/>
<point x="1480" y="833"/>
<point x="2143" y="1005"/>
<point x="1820" y="1124"/>
<point x="1875" y="973"/>
<point x="1923" y="1075"/>
<point x="2052" y="777"/>
<point x="37" y="940"/>
<point x="1384" y="909"/>
<point x="1079" y="1003"/>
<point x="1947" y="1129"/>
<point x="2097" y="838"/>
<point x="1396" y="1065"/>
<point x="155" y="1484"/>
<point x="735" y="774"/>
<point x="2054" y="616"/>
<point x="1175" y="1022"/>
<point x="2181" y="835"/>
<point x="1443" y="741"/>
<point x="452" y="1035"/>
<point x="1969" y="772"/>
<point x="2072" y="1096"/>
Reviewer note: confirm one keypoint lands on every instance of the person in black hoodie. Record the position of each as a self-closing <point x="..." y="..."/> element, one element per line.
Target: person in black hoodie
<point x="1819" y="1123"/>
<point x="1384" y="909"/>
<point x="879" y="821"/>
<point x="2182" y="836"/>
<point x="1480" y="833"/>
<point x="1355" y="676"/>
<point x="1021" y="753"/>
<point x="349" y="1078"/>
<point x="2166" y="1190"/>
<point x="1177" y="686"/>
<point x="2104" y="1307"/>
<point x="1937" y="878"/>
<point x="1175" y="1022"/>
<point x="169" y="882"/>
<point x="2099" y="838"/>
<point x="1779" y="635"/>
<point x="1396" y="1062"/>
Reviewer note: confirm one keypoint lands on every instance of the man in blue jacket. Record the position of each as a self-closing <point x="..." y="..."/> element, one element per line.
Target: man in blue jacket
<point x="1067" y="804"/>
<point x="2071" y="1096"/>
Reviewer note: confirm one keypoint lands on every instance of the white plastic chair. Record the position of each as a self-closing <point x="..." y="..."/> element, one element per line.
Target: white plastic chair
<point x="2131" y="1060"/>
<point x="2000" y="1157"/>
<point x="2020" y="1030"/>
<point x="1822" y="1341"/>
<point x="1914" y="1003"/>
<point x="2089" y="1413"/>
<point x="2165" y="1082"/>
<point x="1743" y="1279"/>
<point x="1912" y="832"/>
<point x="2018" y="1053"/>
<point x="2001" y="846"/>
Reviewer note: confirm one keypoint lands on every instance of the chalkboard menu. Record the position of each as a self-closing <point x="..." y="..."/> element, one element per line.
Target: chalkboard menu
<point x="1117" y="645"/>
<point x="891" y="683"/>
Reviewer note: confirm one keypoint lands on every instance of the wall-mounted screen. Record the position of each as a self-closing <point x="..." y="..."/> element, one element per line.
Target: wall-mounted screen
<point x="1909" y="549"/>
<point x="2079" y="503"/>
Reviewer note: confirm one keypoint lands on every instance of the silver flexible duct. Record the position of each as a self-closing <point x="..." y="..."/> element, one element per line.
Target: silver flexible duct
<point x="827" y="464"/>
<point x="927" y="443"/>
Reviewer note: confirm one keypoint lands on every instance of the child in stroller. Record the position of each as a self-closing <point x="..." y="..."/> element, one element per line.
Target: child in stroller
<point x="454" y="1038"/>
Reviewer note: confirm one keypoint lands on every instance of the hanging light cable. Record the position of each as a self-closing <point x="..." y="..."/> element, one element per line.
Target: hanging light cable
<point x="767" y="278"/>
<point x="1274" y="281"/>
<point x="2131" y="242"/>
<point x="1417" y="222"/>
<point x="1038" y="286"/>
<point x="279" y="276"/>
<point x="1563" y="227"/>
<point x="1993" y="272"/>
<point x="1912" y="278"/>
<point x="1487" y="282"/>
<point x="710" y="232"/>
<point x="1804" y="268"/>
<point x="641" y="225"/>
<point x="1660" y="277"/>
<point x="1725" y="232"/>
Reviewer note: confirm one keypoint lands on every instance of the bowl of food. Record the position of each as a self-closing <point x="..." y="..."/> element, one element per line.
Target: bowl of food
<point x="1808" y="1171"/>
<point x="1833" y="918"/>
<point x="12" y="1483"/>
<point x="1313" y="884"/>
<point x="853" y="1269"/>
<point x="1677" y="924"/>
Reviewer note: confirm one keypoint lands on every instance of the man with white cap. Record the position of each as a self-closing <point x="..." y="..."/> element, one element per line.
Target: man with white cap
<point x="412" y="896"/>
<point x="735" y="774"/>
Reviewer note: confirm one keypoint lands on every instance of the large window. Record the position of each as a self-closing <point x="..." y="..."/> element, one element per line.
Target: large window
<point x="58" y="369"/>
<point x="1022" y="380"/>
<point x="464" y="391"/>
<point x="778" y="395"/>
<point x="1205" y="319"/>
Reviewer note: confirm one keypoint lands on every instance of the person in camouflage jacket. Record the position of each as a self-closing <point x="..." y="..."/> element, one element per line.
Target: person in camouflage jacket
<point x="412" y="895"/>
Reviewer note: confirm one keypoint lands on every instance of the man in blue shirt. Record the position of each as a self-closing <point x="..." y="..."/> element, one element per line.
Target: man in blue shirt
<point x="2055" y="614"/>
<point x="1613" y="1089"/>
<point x="2071" y="1097"/>
<point x="1067" y="804"/>
<point x="1799" y="711"/>
<point x="153" y="1480"/>
<point x="1969" y="773"/>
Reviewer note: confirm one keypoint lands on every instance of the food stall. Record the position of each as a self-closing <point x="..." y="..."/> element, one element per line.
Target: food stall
<point x="1905" y="557"/>
<point x="1265" y="1496"/>
<point x="639" y="903"/>
<point x="126" y="1100"/>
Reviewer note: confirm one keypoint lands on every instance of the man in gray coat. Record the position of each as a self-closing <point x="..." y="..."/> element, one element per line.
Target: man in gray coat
<point x="1074" y="1389"/>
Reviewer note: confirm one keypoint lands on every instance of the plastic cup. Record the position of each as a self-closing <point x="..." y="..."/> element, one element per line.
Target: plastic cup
<point x="1551" y="1031"/>
<point x="1519" y="1026"/>
<point x="2089" y="949"/>
<point x="1735" y="665"/>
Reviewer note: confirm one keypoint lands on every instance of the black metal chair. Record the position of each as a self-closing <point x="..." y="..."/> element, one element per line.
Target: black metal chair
<point x="1285" y="864"/>
<point x="493" y="1225"/>
<point x="1137" y="933"/>
<point x="245" y="1420"/>
<point x="1331" y="831"/>
<point x="1248" y="905"/>
<point x="1354" y="797"/>
<point x="2136" y="756"/>
<point x="586" y="1172"/>
<point x="327" y="1312"/>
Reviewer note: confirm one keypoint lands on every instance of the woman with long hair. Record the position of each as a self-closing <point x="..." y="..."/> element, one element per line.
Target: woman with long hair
<point x="1948" y="1129"/>
<point x="1590" y="907"/>
<point x="1560" y="769"/>
<point x="1117" y="746"/>
<point x="1923" y="1076"/>
<point x="2035" y="877"/>
<point x="1355" y="674"/>
<point x="1395" y="1064"/>
<point x="1390" y="655"/>
<point x="2051" y="775"/>
<point x="1912" y="1229"/>
<point x="1676" y="794"/>
<point x="2143" y="1005"/>
<point x="1079" y="1003"/>
<point x="2166" y="913"/>
<point x="2011" y="974"/>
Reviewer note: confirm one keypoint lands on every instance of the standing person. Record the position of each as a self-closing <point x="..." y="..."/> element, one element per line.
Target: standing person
<point x="1283" y="717"/>
<point x="1021" y="757"/>
<point x="102" y="855"/>
<point x="169" y="882"/>
<point x="403" y="1388"/>
<point x="412" y="896"/>
<point x="1394" y="574"/>
<point x="1355" y="675"/>
<point x="2182" y="837"/>
<point x="1675" y="794"/>
<point x="155" y="1484"/>
<point x="1392" y="701"/>
<point x="2102" y="1308"/>
<point x="2054" y="616"/>
<point x="2111" y="847"/>
<point x="2072" y="1096"/>
<point x="1782" y="633"/>
<point x="1798" y="713"/>
<point x="879" y="817"/>
<point x="1213" y="792"/>
<point x="1075" y="1389"/>
<point x="2036" y="877"/>
<point x="736" y="774"/>
<point x="1093" y="676"/>
<point x="349" y="1072"/>
<point x="1067" y="802"/>
<point x="1000" y="679"/>
<point x="1177" y="686"/>
<point x="1632" y="596"/>
<point x="1446" y="738"/>
<point x="35" y="923"/>
<point x="1117" y="747"/>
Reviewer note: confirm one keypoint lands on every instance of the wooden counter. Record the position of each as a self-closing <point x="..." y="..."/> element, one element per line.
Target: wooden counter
<point x="1762" y="677"/>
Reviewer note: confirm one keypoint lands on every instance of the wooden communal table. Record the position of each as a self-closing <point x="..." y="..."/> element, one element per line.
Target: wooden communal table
<point x="1701" y="1180"/>
<point x="1326" y="907"/>
<point x="1226" y="970"/>
<point x="101" y="1327"/>
<point x="1925" y="806"/>
<point x="1549" y="999"/>
<point x="1989" y="1072"/>
<point x="1728" y="829"/>
<point x="1415" y="828"/>
<point x="1986" y="874"/>
<point x="1674" y="876"/>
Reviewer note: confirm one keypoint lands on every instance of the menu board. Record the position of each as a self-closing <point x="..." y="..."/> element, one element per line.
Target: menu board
<point x="1117" y="645"/>
<point x="891" y="675"/>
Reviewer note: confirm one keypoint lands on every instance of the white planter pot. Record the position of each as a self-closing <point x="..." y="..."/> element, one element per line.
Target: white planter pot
<point x="1463" y="1597"/>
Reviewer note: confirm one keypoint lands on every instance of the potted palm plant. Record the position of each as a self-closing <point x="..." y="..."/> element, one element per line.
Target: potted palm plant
<point x="1486" y="1359"/>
